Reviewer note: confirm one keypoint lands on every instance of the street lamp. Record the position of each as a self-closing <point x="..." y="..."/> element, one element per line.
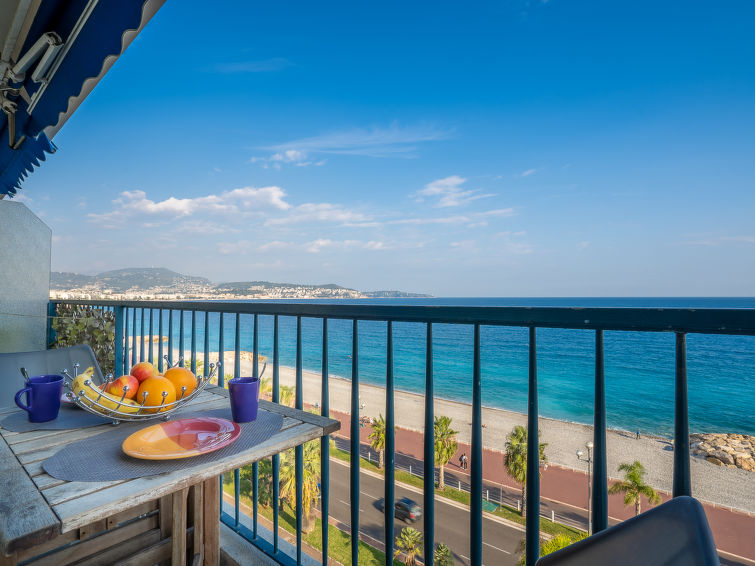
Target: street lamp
<point x="580" y="455"/>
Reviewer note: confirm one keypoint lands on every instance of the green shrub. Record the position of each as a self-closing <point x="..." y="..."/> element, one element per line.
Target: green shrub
<point x="81" y="324"/>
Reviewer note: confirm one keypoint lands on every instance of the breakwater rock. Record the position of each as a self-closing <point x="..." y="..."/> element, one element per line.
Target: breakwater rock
<point x="731" y="450"/>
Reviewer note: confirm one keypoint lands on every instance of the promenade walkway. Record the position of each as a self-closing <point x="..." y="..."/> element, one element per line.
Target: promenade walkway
<point x="563" y="490"/>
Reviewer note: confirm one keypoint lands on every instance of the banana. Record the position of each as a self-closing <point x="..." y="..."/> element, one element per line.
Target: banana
<point x="84" y="387"/>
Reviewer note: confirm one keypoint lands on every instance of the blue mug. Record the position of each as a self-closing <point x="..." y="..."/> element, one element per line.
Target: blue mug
<point x="245" y="394"/>
<point x="42" y="397"/>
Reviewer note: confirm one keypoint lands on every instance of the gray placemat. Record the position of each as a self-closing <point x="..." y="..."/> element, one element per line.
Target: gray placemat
<point x="68" y="418"/>
<point x="100" y="458"/>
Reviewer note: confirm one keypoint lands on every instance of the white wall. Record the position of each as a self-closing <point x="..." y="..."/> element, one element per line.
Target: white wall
<point x="24" y="278"/>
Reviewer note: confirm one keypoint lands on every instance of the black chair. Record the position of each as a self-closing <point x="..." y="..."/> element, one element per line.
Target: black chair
<point x="673" y="534"/>
<point x="42" y="362"/>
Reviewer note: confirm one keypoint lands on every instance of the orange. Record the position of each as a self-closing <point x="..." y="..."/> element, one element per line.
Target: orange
<point x="155" y="387"/>
<point x="181" y="377"/>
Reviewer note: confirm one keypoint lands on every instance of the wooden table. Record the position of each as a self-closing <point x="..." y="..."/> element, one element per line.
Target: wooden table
<point x="173" y="516"/>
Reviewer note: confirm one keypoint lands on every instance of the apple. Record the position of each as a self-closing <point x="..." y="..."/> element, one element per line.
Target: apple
<point x="127" y="383"/>
<point x="143" y="370"/>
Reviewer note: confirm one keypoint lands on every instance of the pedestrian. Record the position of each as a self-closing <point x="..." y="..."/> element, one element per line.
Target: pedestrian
<point x="638" y="434"/>
<point x="461" y="461"/>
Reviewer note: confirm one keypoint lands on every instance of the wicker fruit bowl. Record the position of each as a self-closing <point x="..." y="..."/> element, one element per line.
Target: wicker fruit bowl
<point x="83" y="391"/>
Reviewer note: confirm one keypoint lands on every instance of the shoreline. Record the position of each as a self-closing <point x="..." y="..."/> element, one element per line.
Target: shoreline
<point x="723" y="486"/>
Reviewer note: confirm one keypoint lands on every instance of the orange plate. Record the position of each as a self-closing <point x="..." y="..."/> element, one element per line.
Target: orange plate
<point x="182" y="438"/>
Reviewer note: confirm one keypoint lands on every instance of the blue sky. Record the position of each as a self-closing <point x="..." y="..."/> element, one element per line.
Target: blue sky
<point x="520" y="148"/>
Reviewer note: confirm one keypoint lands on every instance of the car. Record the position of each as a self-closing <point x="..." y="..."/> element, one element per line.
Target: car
<point x="405" y="509"/>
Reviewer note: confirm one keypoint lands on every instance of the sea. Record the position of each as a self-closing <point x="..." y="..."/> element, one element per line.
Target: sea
<point x="639" y="366"/>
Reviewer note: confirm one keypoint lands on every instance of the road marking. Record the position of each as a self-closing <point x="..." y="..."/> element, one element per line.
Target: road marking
<point x="491" y="546"/>
<point x="369" y="495"/>
<point x="345" y="502"/>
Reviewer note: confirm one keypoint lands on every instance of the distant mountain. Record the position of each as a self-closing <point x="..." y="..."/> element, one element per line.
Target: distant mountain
<point x="130" y="279"/>
<point x="159" y="282"/>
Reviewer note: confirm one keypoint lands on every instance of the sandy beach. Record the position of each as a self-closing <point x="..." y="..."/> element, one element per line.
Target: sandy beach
<point x="723" y="486"/>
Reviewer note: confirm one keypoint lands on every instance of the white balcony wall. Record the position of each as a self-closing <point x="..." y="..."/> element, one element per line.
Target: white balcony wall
<point x="24" y="278"/>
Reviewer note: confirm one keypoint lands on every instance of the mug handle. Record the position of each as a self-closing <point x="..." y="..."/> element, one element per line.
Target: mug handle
<point x="18" y="399"/>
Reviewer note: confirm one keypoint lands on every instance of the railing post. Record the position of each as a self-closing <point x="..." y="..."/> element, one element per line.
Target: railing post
<point x="475" y="476"/>
<point x="151" y="358"/>
<point x="533" y="459"/>
<point x="194" y="342"/>
<point x="276" y="457"/>
<point x="119" y="345"/>
<point x="160" y="342"/>
<point x="126" y="342"/>
<point x="299" y="450"/>
<point x="52" y="310"/>
<point x="325" y="445"/>
<point x="429" y="463"/>
<point x="207" y="344"/>
<point x="682" y="484"/>
<point x="141" y="336"/>
<point x="354" y="484"/>
<point x="600" y="476"/>
<point x="133" y="338"/>
<point x="390" y="449"/>
<point x="170" y="337"/>
<point x="255" y="465"/>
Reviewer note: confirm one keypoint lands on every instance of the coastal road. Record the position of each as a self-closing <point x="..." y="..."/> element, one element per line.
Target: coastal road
<point x="500" y="542"/>
<point x="564" y="513"/>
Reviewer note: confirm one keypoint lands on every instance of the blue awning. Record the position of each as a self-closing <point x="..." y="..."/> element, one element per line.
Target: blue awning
<point x="66" y="48"/>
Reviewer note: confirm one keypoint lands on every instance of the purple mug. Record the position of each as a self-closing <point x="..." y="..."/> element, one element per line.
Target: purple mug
<point x="42" y="397"/>
<point x="245" y="397"/>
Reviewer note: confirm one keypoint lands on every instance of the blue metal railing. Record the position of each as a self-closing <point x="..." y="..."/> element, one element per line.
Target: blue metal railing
<point x="678" y="321"/>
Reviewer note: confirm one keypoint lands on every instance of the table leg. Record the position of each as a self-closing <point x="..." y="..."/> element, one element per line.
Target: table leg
<point x="178" y="551"/>
<point x="197" y="521"/>
<point x="211" y="522"/>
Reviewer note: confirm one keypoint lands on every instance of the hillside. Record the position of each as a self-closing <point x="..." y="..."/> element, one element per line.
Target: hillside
<point x="162" y="283"/>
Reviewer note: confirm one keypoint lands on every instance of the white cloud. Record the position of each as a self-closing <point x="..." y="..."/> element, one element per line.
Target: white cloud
<point x="583" y="245"/>
<point x="237" y="201"/>
<point x="449" y="192"/>
<point x="319" y="212"/>
<point x="316" y="246"/>
<point x="471" y="218"/>
<point x="528" y="172"/>
<point x="393" y="141"/>
<point x="259" y="66"/>
<point x="722" y="240"/>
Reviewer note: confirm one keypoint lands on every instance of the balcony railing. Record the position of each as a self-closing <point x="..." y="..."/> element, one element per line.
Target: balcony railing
<point x="137" y="321"/>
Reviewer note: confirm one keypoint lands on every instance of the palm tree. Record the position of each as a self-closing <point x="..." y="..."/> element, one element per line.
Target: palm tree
<point x="310" y="480"/>
<point x="266" y="386"/>
<point x="445" y="445"/>
<point x="410" y="543"/>
<point x="286" y="395"/>
<point x="377" y="436"/>
<point x="548" y="546"/>
<point x="515" y="459"/>
<point x="634" y="487"/>
<point x="264" y="483"/>
<point x="442" y="555"/>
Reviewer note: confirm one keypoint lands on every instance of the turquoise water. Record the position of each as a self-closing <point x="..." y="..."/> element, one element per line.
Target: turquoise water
<point x="639" y="367"/>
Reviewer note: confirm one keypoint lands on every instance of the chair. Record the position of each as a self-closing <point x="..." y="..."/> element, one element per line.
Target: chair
<point x="675" y="533"/>
<point x="42" y="362"/>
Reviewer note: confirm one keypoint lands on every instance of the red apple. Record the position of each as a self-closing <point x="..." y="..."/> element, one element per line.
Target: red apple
<point x="127" y="383"/>
<point x="143" y="370"/>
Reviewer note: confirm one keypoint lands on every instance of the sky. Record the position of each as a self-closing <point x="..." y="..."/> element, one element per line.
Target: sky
<point x="511" y="148"/>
